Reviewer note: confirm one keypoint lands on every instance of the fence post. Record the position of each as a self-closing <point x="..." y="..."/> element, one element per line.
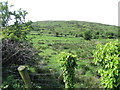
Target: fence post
<point x="25" y="76"/>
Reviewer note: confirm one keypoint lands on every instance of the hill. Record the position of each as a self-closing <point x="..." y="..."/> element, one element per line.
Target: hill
<point x="75" y="29"/>
<point x="80" y="38"/>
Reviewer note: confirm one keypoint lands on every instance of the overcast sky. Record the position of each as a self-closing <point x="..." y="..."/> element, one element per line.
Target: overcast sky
<point x="100" y="11"/>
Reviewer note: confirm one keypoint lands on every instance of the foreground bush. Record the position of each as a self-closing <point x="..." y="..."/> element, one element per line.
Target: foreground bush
<point x="16" y="48"/>
<point x="14" y="54"/>
<point x="68" y="64"/>
<point x="17" y="53"/>
<point x="108" y="58"/>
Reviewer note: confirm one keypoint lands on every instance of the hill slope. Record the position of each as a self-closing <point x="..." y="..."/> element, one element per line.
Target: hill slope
<point x="53" y="37"/>
<point x="75" y="29"/>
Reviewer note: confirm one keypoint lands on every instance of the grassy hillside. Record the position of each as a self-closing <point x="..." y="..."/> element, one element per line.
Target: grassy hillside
<point x="50" y="38"/>
<point x="53" y="37"/>
<point x="37" y="46"/>
<point x="75" y="29"/>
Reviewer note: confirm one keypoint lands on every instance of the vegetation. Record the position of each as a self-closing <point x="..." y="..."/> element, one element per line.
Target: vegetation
<point x="38" y="44"/>
<point x="51" y="44"/>
<point x="68" y="64"/>
<point x="107" y="57"/>
<point x="16" y="49"/>
<point x="79" y="29"/>
<point x="19" y="29"/>
<point x="87" y="35"/>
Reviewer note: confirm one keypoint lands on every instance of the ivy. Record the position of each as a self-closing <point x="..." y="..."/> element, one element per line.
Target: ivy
<point x="107" y="58"/>
<point x="68" y="64"/>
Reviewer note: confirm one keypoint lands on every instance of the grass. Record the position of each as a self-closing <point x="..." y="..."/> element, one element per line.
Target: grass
<point x="51" y="46"/>
<point x="70" y="39"/>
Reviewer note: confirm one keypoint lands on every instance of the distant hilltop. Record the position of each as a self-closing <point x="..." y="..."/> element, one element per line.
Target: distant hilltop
<point x="76" y="29"/>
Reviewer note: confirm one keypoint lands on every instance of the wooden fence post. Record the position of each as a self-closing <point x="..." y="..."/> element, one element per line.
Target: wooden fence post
<point x="25" y="76"/>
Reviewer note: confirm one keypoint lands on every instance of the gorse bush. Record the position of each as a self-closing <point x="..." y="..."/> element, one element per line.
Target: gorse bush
<point x="108" y="58"/>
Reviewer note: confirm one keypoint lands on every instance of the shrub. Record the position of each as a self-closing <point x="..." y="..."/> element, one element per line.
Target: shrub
<point x="16" y="52"/>
<point x="68" y="65"/>
<point x="87" y="35"/>
<point x="107" y="57"/>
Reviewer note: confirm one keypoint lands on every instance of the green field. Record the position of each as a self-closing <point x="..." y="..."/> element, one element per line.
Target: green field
<point x="52" y="38"/>
<point x="34" y="49"/>
<point x="46" y="40"/>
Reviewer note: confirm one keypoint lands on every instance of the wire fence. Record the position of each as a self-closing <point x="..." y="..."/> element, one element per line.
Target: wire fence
<point x="44" y="77"/>
<point x="47" y="79"/>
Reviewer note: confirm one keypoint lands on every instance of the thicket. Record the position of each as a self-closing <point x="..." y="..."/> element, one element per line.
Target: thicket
<point x="16" y="49"/>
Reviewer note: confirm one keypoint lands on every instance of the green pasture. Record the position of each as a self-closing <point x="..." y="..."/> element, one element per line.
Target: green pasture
<point x="51" y="46"/>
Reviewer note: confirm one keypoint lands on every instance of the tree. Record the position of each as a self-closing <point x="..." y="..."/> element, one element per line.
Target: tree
<point x="56" y="34"/>
<point x="87" y="35"/>
<point x="20" y="28"/>
<point x="16" y="49"/>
